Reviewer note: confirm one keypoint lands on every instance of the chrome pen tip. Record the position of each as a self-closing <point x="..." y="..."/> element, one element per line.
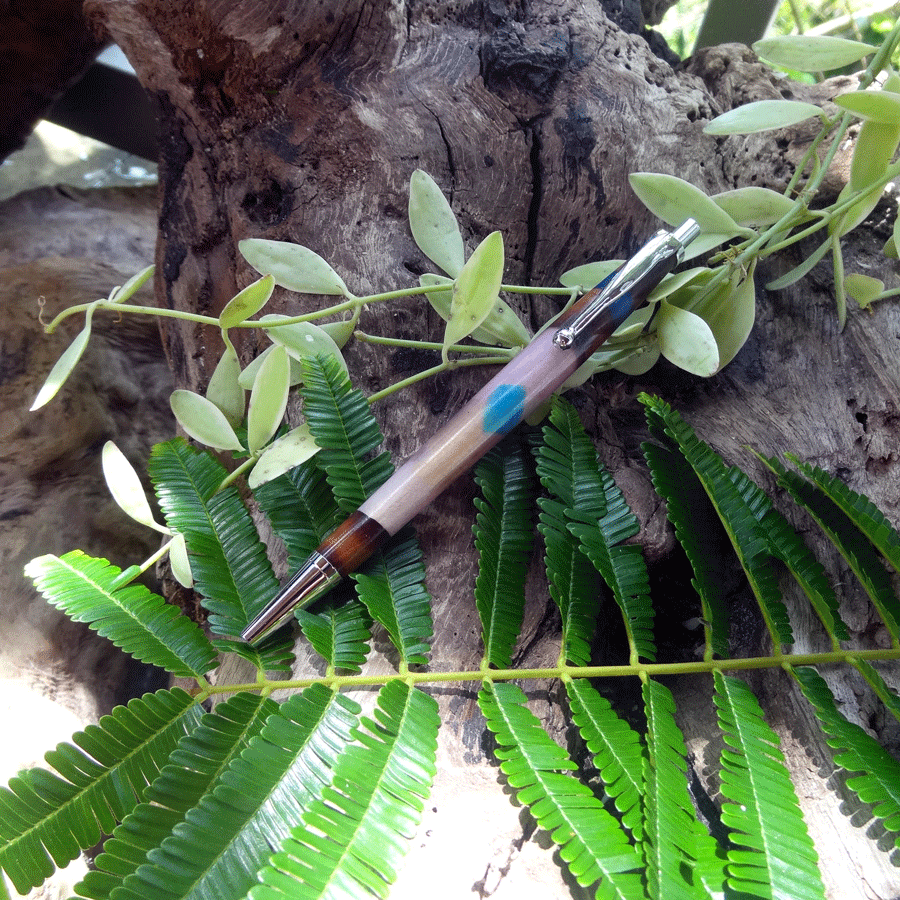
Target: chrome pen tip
<point x="311" y="581"/>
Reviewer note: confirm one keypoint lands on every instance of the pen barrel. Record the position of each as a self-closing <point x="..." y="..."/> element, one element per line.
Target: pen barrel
<point x="512" y="395"/>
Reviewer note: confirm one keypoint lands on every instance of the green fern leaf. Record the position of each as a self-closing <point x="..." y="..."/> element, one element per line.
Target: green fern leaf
<point x="670" y="841"/>
<point x="568" y="468"/>
<point x="621" y="565"/>
<point x="700" y="534"/>
<point x="503" y="537"/>
<point x="772" y="854"/>
<point x="342" y="424"/>
<point x="229" y="836"/>
<point x="231" y="570"/>
<point x="590" y="839"/>
<point x="139" y="622"/>
<point x="352" y="839"/>
<point x="193" y="770"/>
<point x="855" y="751"/>
<point x="393" y="591"/>
<point x="849" y="537"/>
<point x="339" y="632"/>
<point x="617" y="751"/>
<point x="301" y="508"/>
<point x="735" y="513"/>
<point x="46" y="816"/>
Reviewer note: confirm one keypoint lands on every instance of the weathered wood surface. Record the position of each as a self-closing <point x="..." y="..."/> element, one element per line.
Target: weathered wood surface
<point x="304" y="122"/>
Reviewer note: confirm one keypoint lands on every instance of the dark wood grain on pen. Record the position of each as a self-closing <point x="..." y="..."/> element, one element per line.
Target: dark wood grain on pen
<point x="352" y="542"/>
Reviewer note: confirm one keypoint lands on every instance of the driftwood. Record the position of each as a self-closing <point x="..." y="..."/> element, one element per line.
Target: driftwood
<point x="304" y="121"/>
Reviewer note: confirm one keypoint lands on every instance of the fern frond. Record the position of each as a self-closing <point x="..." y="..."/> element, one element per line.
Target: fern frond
<point x="735" y="513"/>
<point x="339" y="632"/>
<point x="503" y="537"/>
<point x="231" y="570"/>
<point x="699" y="532"/>
<point x="46" y="816"/>
<point x="621" y="565"/>
<point x="193" y="770"/>
<point x="301" y="509"/>
<point x="849" y="538"/>
<point x="352" y="839"/>
<point x="342" y="424"/>
<point x="670" y="838"/>
<point x="590" y="839"/>
<point x="617" y="750"/>
<point x="855" y="751"/>
<point x="229" y="836"/>
<point x="772" y="854"/>
<point x="569" y="470"/>
<point x="133" y="618"/>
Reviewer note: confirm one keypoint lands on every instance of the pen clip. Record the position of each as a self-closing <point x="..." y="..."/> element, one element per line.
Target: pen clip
<point x="638" y="270"/>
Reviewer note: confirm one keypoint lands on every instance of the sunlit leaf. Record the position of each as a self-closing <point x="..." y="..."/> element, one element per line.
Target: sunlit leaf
<point x="224" y="388"/>
<point x="762" y="115"/>
<point x="433" y="224"/>
<point x="811" y="53"/>
<point x="180" y="562"/>
<point x="754" y="206"/>
<point x="288" y="451"/>
<point x="687" y="341"/>
<point x="293" y="266"/>
<point x="247" y="303"/>
<point x="302" y="339"/>
<point x="203" y="421"/>
<point x="125" y="486"/>
<point x="476" y="290"/>
<point x="863" y="288"/>
<point x="268" y="399"/>
<point x="65" y="364"/>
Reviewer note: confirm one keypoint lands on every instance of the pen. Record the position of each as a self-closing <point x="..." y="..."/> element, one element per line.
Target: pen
<point x="509" y="397"/>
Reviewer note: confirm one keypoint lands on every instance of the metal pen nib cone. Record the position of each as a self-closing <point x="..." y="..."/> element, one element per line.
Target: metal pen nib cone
<point x="316" y="577"/>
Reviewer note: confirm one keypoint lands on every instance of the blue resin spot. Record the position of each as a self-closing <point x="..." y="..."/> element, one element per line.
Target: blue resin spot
<point x="504" y="408"/>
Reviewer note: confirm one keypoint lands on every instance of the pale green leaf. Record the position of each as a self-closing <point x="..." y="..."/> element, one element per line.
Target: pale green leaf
<point x="224" y="388"/>
<point x="126" y="488"/>
<point x="287" y="452"/>
<point x="799" y="271"/>
<point x="268" y="400"/>
<point x="247" y="302"/>
<point x="248" y="375"/>
<point x="635" y="323"/>
<point x="65" y="364"/>
<point x="671" y="284"/>
<point x="293" y="266"/>
<point x="477" y="289"/>
<point x="302" y="339"/>
<point x="341" y="332"/>
<point x="433" y="224"/>
<point x="877" y="106"/>
<point x="732" y="323"/>
<point x="754" y="206"/>
<point x="132" y="286"/>
<point x="863" y="288"/>
<point x="811" y="53"/>
<point x="762" y="115"/>
<point x="203" y="421"/>
<point x="687" y="341"/>
<point x="641" y="362"/>
<point x="590" y="274"/>
<point x="180" y="562"/>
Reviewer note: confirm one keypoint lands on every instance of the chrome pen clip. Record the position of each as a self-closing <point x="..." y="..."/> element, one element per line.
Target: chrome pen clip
<point x="636" y="271"/>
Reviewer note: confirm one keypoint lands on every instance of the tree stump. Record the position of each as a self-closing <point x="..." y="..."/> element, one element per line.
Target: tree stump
<point x="303" y="122"/>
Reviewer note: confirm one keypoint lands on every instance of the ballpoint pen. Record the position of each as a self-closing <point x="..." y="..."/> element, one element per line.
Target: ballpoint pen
<point x="511" y="396"/>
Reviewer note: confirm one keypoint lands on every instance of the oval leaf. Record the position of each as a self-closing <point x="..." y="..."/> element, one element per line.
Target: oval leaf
<point x="248" y="375"/>
<point x="732" y="324"/>
<point x="64" y="365"/>
<point x="224" y="389"/>
<point x="811" y="53"/>
<point x="754" y="206"/>
<point x="126" y="488"/>
<point x="673" y="283"/>
<point x="687" y="341"/>
<point x="247" y="302"/>
<point x="590" y="274"/>
<point x="286" y="453"/>
<point x="433" y="224"/>
<point x="293" y="266"/>
<point x="876" y="144"/>
<point x="302" y="339"/>
<point x="132" y="286"/>
<point x="341" y="332"/>
<point x="762" y="115"/>
<point x="877" y="106"/>
<point x="641" y="363"/>
<point x="180" y="562"/>
<point x="203" y="421"/>
<point x="476" y="290"/>
<point x="268" y="400"/>
<point x="863" y="288"/>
